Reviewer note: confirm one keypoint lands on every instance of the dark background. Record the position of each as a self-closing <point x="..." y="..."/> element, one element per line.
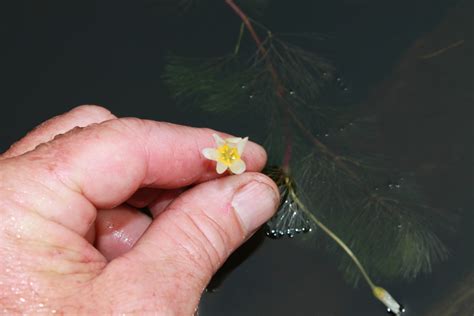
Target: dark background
<point x="58" y="54"/>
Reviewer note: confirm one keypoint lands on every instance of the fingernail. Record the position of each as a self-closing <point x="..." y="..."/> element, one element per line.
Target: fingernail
<point x="255" y="203"/>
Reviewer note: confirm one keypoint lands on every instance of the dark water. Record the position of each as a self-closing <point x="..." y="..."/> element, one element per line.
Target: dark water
<point x="57" y="54"/>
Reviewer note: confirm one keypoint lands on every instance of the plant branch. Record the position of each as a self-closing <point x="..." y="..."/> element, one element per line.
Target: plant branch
<point x="380" y="293"/>
<point x="280" y="92"/>
<point x="316" y="142"/>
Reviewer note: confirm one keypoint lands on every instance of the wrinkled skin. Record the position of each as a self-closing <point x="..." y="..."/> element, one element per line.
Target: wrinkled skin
<point x="72" y="240"/>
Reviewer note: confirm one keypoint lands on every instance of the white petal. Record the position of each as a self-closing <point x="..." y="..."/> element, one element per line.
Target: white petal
<point x="238" y="166"/>
<point x="241" y="145"/>
<point x="233" y="140"/>
<point x="210" y="153"/>
<point x="218" y="139"/>
<point x="221" y="168"/>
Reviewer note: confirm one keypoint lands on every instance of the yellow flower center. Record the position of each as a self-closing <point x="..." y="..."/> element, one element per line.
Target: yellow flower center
<point x="227" y="154"/>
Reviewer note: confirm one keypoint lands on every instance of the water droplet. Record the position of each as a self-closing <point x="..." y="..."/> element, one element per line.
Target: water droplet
<point x="251" y="96"/>
<point x="243" y="86"/>
<point x="397" y="186"/>
<point x="22" y="299"/>
<point x="326" y="135"/>
<point x="338" y="79"/>
<point x="292" y="92"/>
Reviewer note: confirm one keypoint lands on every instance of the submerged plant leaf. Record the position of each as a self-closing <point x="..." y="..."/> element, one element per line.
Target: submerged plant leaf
<point x="323" y="156"/>
<point x="237" y="83"/>
<point x="290" y="219"/>
<point x="215" y="84"/>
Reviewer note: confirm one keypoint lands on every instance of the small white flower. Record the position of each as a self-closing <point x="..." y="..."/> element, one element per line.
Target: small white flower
<point x="227" y="154"/>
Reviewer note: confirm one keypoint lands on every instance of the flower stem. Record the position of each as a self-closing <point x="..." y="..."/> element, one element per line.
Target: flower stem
<point x="330" y="233"/>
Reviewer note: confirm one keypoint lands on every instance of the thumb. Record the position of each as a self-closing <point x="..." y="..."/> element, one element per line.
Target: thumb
<point x="191" y="239"/>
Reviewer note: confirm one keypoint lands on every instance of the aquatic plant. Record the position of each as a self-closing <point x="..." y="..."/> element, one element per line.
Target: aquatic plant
<point x="332" y="184"/>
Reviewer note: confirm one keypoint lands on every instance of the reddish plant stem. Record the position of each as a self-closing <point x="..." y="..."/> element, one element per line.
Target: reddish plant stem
<point x="280" y="92"/>
<point x="280" y="88"/>
<point x="248" y="24"/>
<point x="288" y="148"/>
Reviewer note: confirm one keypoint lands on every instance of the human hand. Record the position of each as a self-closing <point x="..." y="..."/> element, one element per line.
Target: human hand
<point x="72" y="240"/>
